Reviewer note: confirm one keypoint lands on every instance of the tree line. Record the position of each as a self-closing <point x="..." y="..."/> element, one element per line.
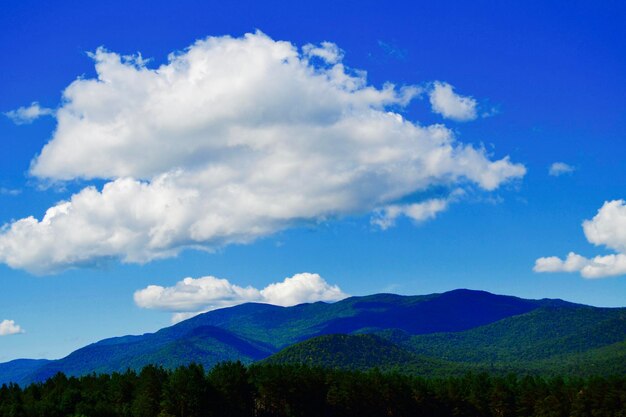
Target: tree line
<point x="232" y="389"/>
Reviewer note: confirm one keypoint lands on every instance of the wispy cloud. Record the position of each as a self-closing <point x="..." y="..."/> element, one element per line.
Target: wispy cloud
<point x="559" y="168"/>
<point x="327" y="51"/>
<point x="10" y="191"/>
<point x="25" y="115"/>
<point x="418" y="212"/>
<point x="393" y="50"/>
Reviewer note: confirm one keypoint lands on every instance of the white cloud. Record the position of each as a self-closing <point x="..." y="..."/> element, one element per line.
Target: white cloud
<point x="573" y="263"/>
<point x="193" y="296"/>
<point x="560" y="168"/>
<point x="301" y="288"/>
<point x="25" y="115"/>
<point x="10" y="191"/>
<point x="9" y="327"/>
<point x="230" y="140"/>
<point x="607" y="228"/>
<point x="327" y="51"/>
<point x="418" y="212"/>
<point x="450" y="105"/>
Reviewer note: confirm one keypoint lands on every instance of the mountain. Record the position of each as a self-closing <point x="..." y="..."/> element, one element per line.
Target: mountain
<point x="361" y="352"/>
<point x="451" y="311"/>
<point x="553" y="339"/>
<point x="20" y="370"/>
<point x="169" y="347"/>
<point x="537" y="335"/>
<point x="448" y="332"/>
<point x="605" y="360"/>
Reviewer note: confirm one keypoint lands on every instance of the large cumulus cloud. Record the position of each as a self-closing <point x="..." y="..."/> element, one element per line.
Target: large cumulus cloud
<point x="230" y="140"/>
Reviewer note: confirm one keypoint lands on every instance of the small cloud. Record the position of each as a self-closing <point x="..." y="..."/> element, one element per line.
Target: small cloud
<point x="193" y="296"/>
<point x="573" y="263"/>
<point x="393" y="50"/>
<point x="493" y="111"/>
<point x="327" y="51"/>
<point x="450" y="105"/>
<point x="26" y="115"/>
<point x="597" y="267"/>
<point x="559" y="168"/>
<point x="9" y="191"/>
<point x="418" y="212"/>
<point x="607" y="229"/>
<point x="9" y="327"/>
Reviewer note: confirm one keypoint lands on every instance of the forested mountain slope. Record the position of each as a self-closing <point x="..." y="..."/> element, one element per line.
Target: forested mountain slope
<point x="445" y="332"/>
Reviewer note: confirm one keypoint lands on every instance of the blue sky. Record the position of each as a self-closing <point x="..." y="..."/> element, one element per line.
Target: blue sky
<point x="540" y="84"/>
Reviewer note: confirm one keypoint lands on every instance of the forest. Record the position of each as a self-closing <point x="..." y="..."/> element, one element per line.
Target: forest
<point x="281" y="390"/>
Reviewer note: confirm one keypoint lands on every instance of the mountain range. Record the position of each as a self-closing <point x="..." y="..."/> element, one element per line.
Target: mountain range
<point x="437" y="334"/>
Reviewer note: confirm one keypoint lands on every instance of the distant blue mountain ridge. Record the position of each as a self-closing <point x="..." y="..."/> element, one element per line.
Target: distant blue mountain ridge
<point x="453" y="331"/>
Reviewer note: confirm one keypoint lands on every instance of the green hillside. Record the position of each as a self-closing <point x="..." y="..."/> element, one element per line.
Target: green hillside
<point x="345" y="351"/>
<point x="576" y="341"/>
<point x="606" y="360"/>
<point x="540" y="334"/>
